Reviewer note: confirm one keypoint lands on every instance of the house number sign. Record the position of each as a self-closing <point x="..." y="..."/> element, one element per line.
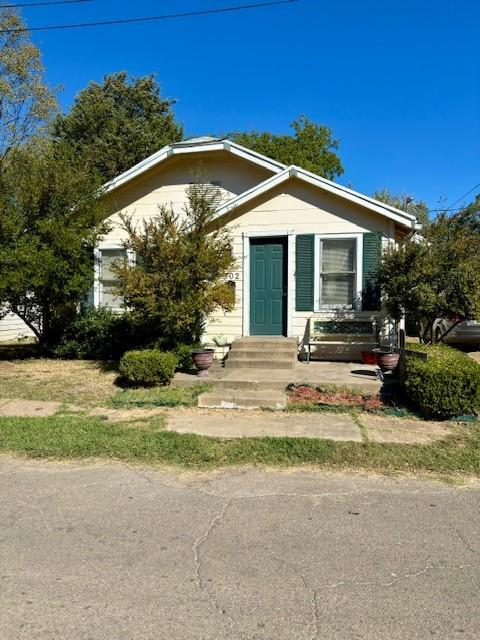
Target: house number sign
<point x="234" y="275"/>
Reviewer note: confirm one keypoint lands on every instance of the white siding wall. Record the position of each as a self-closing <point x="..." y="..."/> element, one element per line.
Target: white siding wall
<point x="168" y="185"/>
<point x="295" y="208"/>
<point x="13" y="328"/>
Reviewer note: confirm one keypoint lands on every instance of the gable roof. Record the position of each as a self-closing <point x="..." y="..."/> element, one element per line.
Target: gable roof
<point x="397" y="215"/>
<point x="281" y="173"/>
<point x="194" y="145"/>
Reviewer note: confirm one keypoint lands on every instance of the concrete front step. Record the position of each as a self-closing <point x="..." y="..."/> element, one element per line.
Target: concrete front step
<point x="272" y="345"/>
<point x="251" y="385"/>
<point x="276" y="354"/>
<point x="241" y="399"/>
<point x="262" y="352"/>
<point x="265" y="363"/>
<point x="272" y="340"/>
<point x="239" y="356"/>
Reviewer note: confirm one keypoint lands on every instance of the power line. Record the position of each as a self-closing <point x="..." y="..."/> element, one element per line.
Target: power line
<point x="41" y="4"/>
<point x="449" y="209"/>
<point x="464" y="195"/>
<point x="168" y="16"/>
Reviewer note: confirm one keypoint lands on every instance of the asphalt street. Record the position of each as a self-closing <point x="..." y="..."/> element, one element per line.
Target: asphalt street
<point x="108" y="551"/>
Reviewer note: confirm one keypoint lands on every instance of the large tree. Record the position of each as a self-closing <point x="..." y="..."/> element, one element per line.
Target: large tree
<point x="404" y="202"/>
<point x="119" y="122"/>
<point x="26" y="102"/>
<point x="311" y="147"/>
<point x="180" y="276"/>
<point x="50" y="220"/>
<point x="436" y="275"/>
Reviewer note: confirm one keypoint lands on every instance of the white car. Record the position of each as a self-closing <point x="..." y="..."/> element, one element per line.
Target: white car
<point x="450" y="331"/>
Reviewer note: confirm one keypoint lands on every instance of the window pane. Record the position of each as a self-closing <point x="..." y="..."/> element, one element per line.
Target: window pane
<point x="337" y="290"/>
<point x="109" y="256"/>
<point x="338" y="255"/>
<point x="108" y="298"/>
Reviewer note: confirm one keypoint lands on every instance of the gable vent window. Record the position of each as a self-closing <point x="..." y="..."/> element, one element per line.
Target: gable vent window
<point x="213" y="188"/>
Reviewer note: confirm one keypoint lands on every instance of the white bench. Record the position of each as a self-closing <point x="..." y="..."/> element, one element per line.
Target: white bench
<point x="341" y="332"/>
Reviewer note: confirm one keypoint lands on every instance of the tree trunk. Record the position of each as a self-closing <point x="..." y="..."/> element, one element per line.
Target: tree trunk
<point x="31" y="326"/>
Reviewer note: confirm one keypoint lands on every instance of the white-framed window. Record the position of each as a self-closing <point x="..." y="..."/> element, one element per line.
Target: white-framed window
<point x="338" y="271"/>
<point x="107" y="278"/>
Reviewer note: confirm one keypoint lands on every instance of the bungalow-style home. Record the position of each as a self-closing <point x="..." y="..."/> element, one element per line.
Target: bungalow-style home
<point x="305" y="247"/>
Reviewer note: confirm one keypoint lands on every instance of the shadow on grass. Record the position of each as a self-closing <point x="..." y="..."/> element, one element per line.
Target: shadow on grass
<point x="107" y="366"/>
<point x="21" y="351"/>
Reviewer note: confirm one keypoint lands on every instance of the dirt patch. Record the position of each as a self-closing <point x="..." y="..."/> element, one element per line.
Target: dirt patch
<point x="29" y="408"/>
<point x="407" y="431"/>
<point x="133" y="416"/>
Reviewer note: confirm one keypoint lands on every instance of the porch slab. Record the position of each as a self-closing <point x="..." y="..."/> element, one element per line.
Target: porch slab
<point x="220" y="423"/>
<point x="347" y="374"/>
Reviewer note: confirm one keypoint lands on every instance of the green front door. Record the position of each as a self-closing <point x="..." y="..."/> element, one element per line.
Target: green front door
<point x="268" y="287"/>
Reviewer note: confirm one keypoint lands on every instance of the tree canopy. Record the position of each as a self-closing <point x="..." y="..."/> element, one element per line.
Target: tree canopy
<point x="26" y="102"/>
<point x="404" y="202"/>
<point x="311" y="147"/>
<point x="180" y="276"/>
<point x="115" y="124"/>
<point x="50" y="221"/>
<point x="437" y="275"/>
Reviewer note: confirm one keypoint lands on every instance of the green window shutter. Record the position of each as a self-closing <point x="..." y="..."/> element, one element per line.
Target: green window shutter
<point x="304" y="272"/>
<point x="372" y="247"/>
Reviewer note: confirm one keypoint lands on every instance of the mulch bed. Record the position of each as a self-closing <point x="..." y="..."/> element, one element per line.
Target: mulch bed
<point x="306" y="395"/>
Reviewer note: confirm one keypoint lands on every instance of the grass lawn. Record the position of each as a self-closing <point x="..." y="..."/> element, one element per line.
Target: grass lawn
<point x="77" y="382"/>
<point x="159" y="397"/>
<point x="84" y="383"/>
<point x="81" y="437"/>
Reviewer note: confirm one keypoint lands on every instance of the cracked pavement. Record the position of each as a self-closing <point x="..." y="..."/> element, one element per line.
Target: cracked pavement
<point x="108" y="551"/>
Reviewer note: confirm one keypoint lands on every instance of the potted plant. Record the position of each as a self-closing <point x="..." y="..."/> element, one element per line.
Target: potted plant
<point x="202" y="359"/>
<point x="387" y="360"/>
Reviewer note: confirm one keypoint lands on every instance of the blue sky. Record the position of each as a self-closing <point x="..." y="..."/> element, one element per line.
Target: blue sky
<point x="397" y="80"/>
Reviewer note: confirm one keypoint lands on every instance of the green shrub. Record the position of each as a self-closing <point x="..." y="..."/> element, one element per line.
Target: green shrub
<point x="181" y="350"/>
<point x="148" y="367"/>
<point x="184" y="356"/>
<point x="99" y="334"/>
<point x="447" y="384"/>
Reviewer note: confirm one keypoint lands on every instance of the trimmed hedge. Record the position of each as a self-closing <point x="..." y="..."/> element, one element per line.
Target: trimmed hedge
<point x="148" y="367"/>
<point x="445" y="385"/>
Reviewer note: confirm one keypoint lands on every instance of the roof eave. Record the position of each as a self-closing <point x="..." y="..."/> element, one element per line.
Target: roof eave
<point x="180" y="149"/>
<point x="401" y="217"/>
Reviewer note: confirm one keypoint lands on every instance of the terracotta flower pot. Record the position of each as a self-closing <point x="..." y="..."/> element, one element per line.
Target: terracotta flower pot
<point x="387" y="361"/>
<point x="202" y="359"/>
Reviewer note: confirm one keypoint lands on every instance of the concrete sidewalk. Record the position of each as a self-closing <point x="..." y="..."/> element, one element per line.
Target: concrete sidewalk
<point x="333" y="426"/>
<point x="229" y="423"/>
